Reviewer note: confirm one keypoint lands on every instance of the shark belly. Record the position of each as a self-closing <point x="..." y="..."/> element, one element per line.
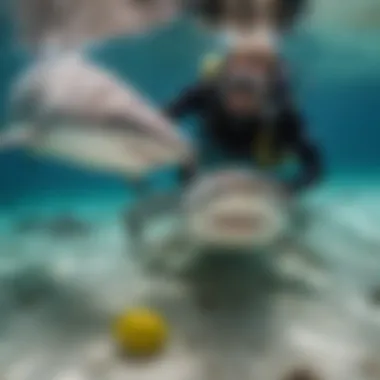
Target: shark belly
<point x="96" y="149"/>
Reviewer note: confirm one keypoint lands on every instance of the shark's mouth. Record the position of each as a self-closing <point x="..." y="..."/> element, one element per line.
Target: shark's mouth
<point x="138" y="140"/>
<point x="124" y="127"/>
<point x="241" y="190"/>
<point x="150" y="143"/>
<point x="166" y="141"/>
<point x="236" y="207"/>
<point x="153" y="150"/>
<point x="249" y="226"/>
<point x="239" y="223"/>
<point x="153" y="129"/>
<point x="129" y="151"/>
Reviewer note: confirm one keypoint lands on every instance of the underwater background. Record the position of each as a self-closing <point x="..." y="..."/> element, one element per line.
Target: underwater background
<point x="336" y="79"/>
<point x="336" y="86"/>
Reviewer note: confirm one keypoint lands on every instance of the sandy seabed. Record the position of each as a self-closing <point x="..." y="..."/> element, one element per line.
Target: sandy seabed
<point x="58" y="296"/>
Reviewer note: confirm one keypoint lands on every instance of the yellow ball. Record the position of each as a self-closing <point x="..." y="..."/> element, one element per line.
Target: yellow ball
<point x="140" y="332"/>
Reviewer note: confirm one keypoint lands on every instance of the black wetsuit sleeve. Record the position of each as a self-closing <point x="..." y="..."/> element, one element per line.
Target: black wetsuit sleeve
<point x="306" y="152"/>
<point x="189" y="101"/>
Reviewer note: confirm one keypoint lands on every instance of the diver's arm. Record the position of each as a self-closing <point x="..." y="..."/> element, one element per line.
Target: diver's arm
<point x="307" y="153"/>
<point x="190" y="100"/>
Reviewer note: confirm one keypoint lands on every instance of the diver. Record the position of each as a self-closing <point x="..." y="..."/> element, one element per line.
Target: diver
<point x="247" y="116"/>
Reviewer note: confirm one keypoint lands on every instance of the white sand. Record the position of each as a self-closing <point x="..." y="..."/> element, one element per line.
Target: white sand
<point x="65" y="337"/>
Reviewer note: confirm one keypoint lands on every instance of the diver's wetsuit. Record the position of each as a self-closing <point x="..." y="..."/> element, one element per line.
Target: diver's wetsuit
<point x="236" y="137"/>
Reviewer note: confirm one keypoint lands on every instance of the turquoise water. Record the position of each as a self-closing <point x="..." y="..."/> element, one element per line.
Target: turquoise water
<point x="342" y="115"/>
<point x="90" y="275"/>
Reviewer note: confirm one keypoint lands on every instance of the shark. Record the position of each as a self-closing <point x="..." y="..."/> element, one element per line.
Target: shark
<point x="233" y="212"/>
<point x="70" y="109"/>
<point x="217" y="256"/>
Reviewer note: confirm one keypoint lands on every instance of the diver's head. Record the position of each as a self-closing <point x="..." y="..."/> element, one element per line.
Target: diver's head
<point x="255" y="54"/>
<point x="247" y="73"/>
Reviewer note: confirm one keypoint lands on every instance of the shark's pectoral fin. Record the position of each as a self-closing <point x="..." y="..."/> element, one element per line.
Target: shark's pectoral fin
<point x="174" y="255"/>
<point x="146" y="207"/>
<point x="297" y="261"/>
<point x="297" y="248"/>
<point x="310" y="257"/>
